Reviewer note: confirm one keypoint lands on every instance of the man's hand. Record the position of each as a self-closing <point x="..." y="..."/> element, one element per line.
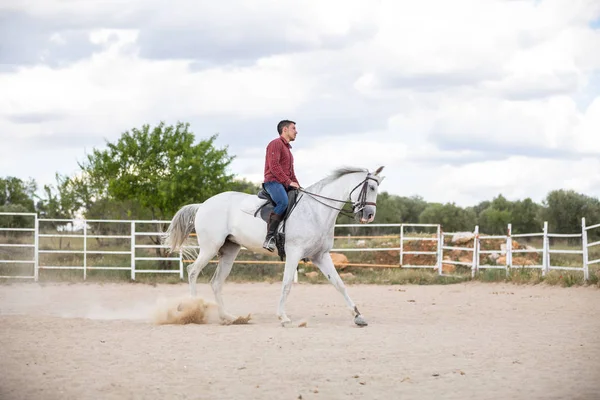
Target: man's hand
<point x="295" y="185"/>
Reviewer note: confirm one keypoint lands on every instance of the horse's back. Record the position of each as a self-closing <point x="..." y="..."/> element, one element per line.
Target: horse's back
<point x="231" y="215"/>
<point x="224" y="202"/>
<point x="225" y="207"/>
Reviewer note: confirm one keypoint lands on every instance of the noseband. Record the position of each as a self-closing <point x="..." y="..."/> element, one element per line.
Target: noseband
<point x="362" y="202"/>
<point x="357" y="206"/>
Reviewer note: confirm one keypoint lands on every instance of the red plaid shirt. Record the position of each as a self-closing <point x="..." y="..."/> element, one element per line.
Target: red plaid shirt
<point x="279" y="162"/>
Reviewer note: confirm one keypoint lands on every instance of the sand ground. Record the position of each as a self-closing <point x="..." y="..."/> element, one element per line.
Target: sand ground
<point x="463" y="341"/>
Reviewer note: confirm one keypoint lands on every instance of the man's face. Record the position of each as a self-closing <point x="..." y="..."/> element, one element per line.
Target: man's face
<point x="290" y="132"/>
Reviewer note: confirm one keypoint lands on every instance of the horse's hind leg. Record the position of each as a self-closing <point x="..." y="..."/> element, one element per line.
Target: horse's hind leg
<point x="205" y="255"/>
<point x="228" y="252"/>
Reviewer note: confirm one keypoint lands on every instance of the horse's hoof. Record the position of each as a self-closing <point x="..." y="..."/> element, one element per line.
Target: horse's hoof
<point x="360" y="321"/>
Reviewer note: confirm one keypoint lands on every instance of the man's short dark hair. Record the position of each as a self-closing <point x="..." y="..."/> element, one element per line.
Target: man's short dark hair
<point x="283" y="124"/>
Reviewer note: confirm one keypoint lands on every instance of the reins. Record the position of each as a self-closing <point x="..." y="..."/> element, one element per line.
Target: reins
<point x="361" y="201"/>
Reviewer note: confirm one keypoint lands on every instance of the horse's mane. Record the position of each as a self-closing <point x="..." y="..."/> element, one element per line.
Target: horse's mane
<point x="336" y="174"/>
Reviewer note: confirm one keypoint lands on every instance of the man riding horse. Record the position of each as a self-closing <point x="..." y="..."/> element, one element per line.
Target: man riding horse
<point x="279" y="176"/>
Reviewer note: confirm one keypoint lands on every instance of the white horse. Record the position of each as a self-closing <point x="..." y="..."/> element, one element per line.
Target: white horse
<point x="226" y="222"/>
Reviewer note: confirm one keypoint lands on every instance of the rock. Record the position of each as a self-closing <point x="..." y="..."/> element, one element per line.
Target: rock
<point x="312" y="274"/>
<point x="462" y="237"/>
<point x="515" y="245"/>
<point x="466" y="258"/>
<point x="448" y="268"/>
<point x="521" y="261"/>
<point x="339" y="260"/>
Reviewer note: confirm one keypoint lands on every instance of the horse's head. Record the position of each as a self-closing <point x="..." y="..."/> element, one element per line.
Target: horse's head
<point x="364" y="197"/>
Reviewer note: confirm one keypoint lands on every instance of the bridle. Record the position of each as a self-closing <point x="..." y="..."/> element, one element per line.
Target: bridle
<point x="357" y="206"/>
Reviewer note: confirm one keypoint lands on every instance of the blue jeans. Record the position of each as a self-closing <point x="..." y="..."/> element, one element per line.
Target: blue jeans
<point x="279" y="195"/>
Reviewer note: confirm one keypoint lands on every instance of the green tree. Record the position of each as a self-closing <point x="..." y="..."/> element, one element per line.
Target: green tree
<point x="149" y="173"/>
<point x="526" y="217"/>
<point x="494" y="218"/>
<point x="500" y="203"/>
<point x="493" y="221"/>
<point x="410" y="208"/>
<point x="244" y="186"/>
<point x="392" y="209"/>
<point x="452" y="217"/>
<point x="63" y="200"/>
<point x="563" y="209"/>
<point x="15" y="192"/>
<point x="159" y="168"/>
<point x="17" y="196"/>
<point x="479" y="208"/>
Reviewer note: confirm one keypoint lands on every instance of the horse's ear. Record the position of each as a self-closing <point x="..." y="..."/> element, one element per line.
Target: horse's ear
<point x="379" y="170"/>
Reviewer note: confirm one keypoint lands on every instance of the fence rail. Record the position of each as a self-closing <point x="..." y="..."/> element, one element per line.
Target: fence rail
<point x="136" y="264"/>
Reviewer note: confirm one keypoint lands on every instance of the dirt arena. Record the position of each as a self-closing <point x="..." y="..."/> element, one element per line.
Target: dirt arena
<point x="463" y="341"/>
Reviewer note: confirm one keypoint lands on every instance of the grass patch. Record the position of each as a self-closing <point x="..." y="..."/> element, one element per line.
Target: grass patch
<point x="242" y="273"/>
<point x="534" y="276"/>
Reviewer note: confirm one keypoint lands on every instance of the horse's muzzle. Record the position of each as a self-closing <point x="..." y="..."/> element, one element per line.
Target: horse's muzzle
<point x="367" y="214"/>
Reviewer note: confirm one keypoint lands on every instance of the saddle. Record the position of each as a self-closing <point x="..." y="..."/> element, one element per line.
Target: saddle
<point x="266" y="209"/>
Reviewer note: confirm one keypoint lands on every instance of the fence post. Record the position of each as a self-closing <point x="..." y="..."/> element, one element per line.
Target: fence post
<point x="508" y="248"/>
<point x="584" y="244"/>
<point x="36" y="249"/>
<point x="475" y="251"/>
<point x="545" y="253"/>
<point x="401" y="244"/>
<point x="84" y="249"/>
<point x="133" y="250"/>
<point x="440" y="250"/>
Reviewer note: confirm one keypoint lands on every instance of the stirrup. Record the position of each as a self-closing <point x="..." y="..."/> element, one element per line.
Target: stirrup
<point x="269" y="244"/>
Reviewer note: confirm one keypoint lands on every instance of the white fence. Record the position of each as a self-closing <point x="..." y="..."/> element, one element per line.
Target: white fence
<point x="136" y="263"/>
<point x="546" y="251"/>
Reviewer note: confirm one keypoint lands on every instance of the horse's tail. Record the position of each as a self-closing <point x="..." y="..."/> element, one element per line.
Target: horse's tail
<point x="181" y="226"/>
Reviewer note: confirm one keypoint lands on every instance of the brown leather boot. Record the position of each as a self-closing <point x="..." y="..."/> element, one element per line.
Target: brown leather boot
<point x="274" y="220"/>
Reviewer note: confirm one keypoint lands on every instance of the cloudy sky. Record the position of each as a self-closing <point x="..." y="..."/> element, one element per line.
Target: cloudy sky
<point x="459" y="100"/>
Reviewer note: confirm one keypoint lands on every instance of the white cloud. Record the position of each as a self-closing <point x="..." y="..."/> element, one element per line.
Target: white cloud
<point x="537" y="124"/>
<point x="587" y="133"/>
<point x="516" y="178"/>
<point x="459" y="100"/>
<point x="114" y="89"/>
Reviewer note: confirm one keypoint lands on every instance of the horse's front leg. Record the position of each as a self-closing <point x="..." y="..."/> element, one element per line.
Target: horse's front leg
<point x="327" y="267"/>
<point x="291" y="264"/>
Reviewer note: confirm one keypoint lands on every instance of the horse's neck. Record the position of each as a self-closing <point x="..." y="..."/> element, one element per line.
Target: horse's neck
<point x="339" y="190"/>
